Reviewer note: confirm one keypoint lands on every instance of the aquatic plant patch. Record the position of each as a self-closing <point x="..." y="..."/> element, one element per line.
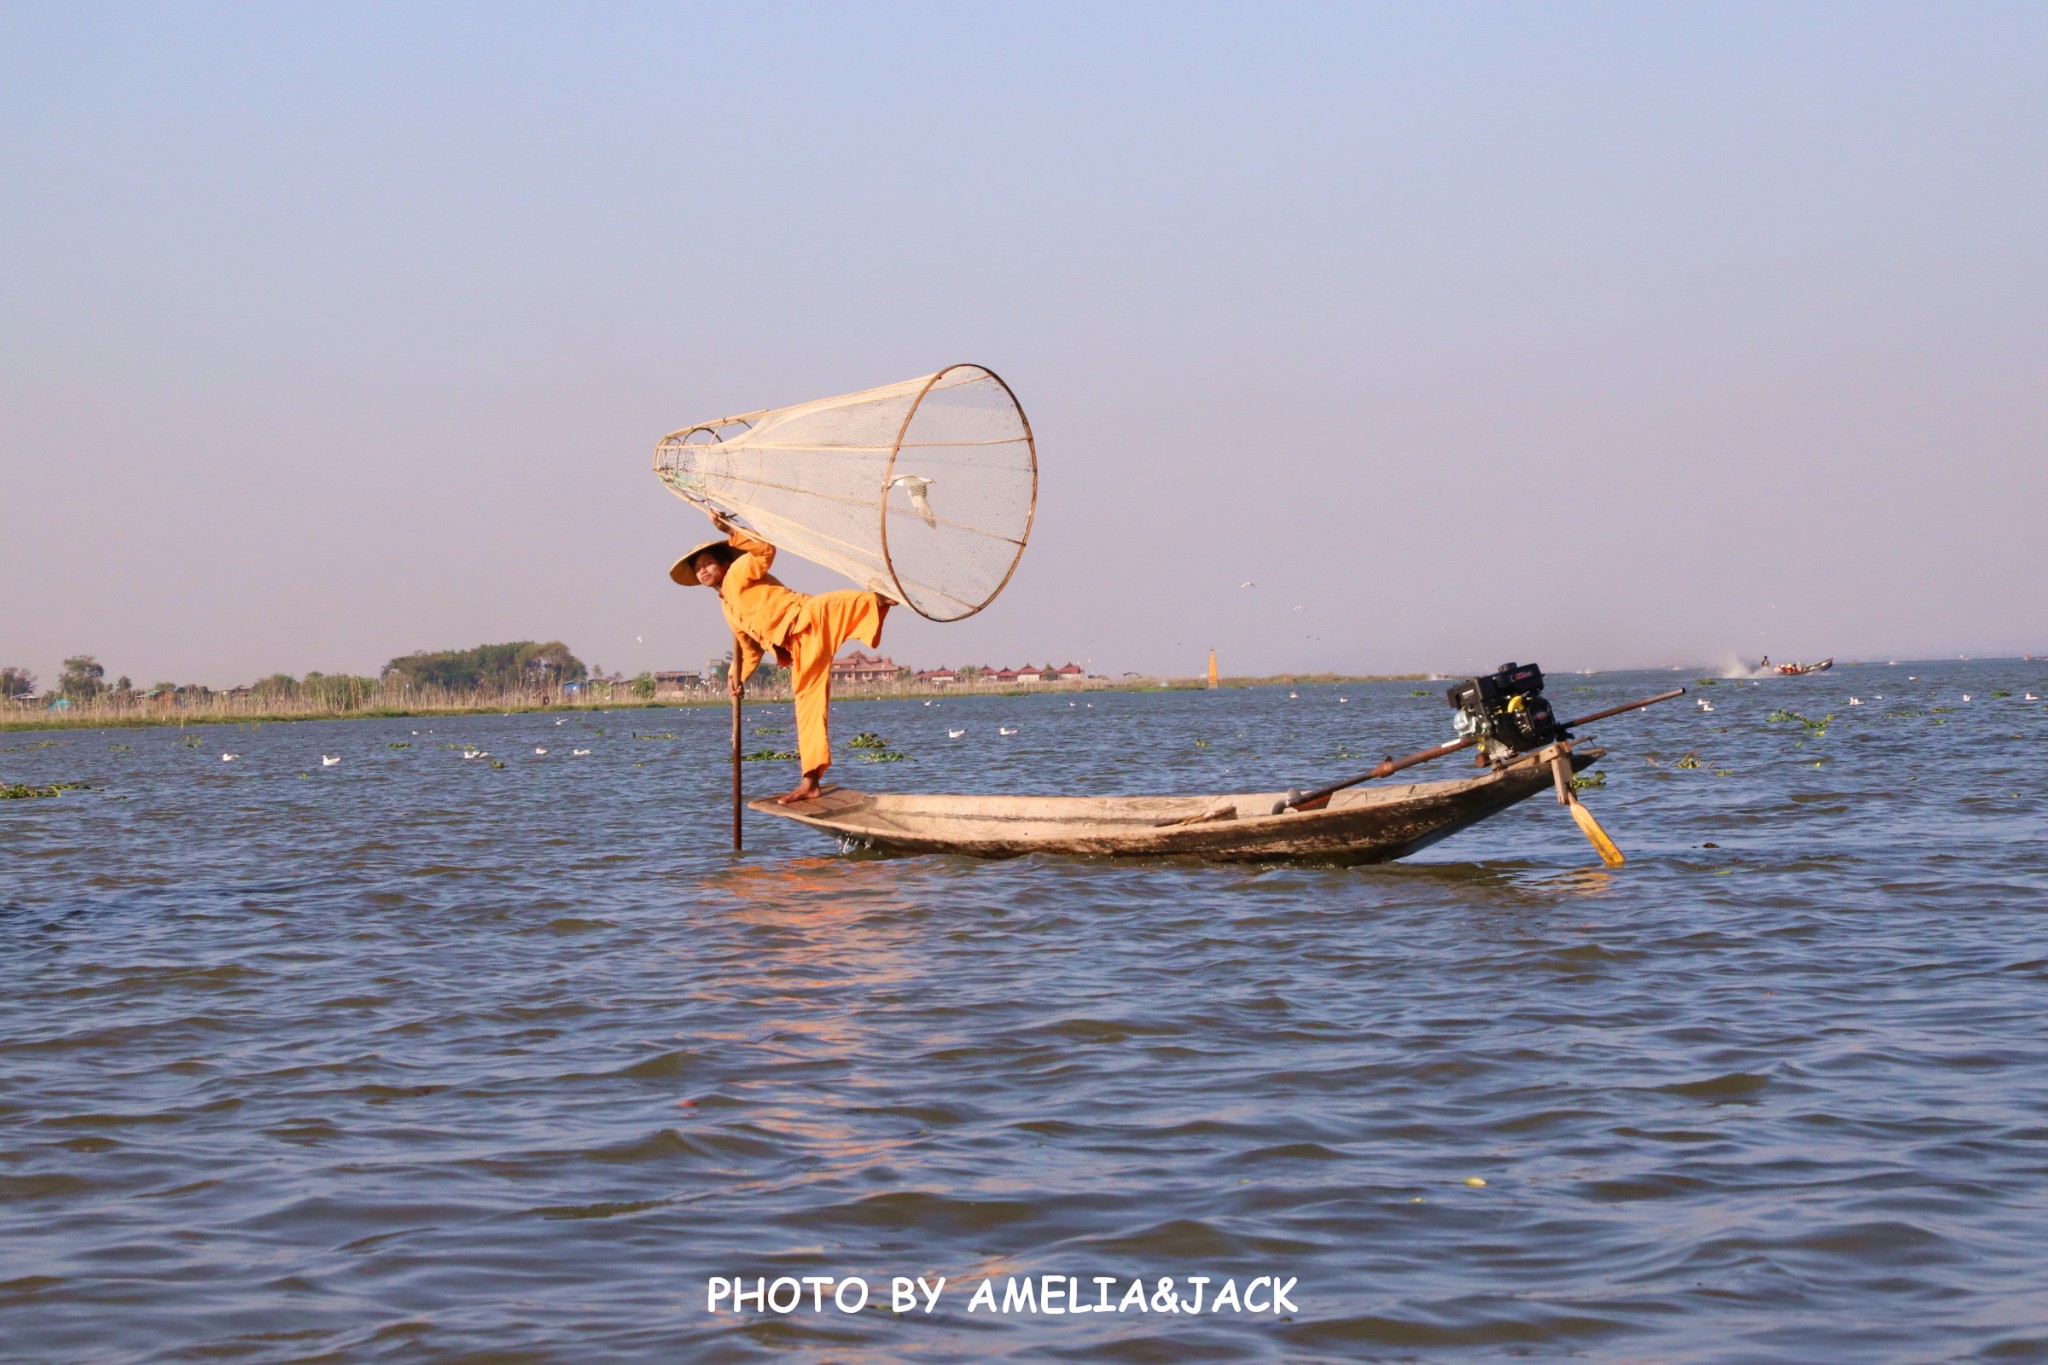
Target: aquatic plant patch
<point x="24" y="791"/>
<point x="766" y="756"/>
<point x="868" y="739"/>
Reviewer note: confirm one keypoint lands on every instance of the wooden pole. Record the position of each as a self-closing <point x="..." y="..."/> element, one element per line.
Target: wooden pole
<point x="1320" y="797"/>
<point x="736" y="772"/>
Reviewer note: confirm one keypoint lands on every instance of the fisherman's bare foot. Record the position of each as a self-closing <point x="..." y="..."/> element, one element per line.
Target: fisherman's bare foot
<point x="806" y="790"/>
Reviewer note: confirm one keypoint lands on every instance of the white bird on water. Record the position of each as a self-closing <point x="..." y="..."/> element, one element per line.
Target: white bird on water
<point x="917" y="488"/>
<point x="1706" y="705"/>
<point x="2032" y="697"/>
<point x="579" y="752"/>
<point x="954" y="734"/>
<point x="537" y="749"/>
<point x="329" y="760"/>
<point x="1005" y="730"/>
<point x="1966" y="696"/>
<point x="229" y="758"/>
<point x="1855" y="701"/>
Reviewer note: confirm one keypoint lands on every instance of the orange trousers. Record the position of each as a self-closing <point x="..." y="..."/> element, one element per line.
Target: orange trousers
<point x="826" y="622"/>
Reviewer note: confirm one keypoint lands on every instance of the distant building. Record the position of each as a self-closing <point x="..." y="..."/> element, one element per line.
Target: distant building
<point x="677" y="680"/>
<point x="858" y="667"/>
<point x="938" y="677"/>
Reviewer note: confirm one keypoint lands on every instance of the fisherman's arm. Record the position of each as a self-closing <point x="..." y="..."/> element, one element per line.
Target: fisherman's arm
<point x="746" y="657"/>
<point x="747" y="543"/>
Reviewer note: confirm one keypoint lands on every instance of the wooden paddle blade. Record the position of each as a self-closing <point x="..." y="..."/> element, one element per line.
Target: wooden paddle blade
<point x="1595" y="835"/>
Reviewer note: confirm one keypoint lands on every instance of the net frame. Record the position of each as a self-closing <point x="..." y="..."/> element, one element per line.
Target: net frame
<point x="673" y="460"/>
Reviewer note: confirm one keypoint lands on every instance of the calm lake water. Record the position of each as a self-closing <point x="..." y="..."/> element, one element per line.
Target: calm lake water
<point x="416" y="1058"/>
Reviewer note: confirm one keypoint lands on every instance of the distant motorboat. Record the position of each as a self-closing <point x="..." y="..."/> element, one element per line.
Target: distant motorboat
<point x="1800" y="670"/>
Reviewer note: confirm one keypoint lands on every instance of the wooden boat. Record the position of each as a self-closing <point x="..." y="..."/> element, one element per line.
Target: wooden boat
<point x="1368" y="824"/>
<point x="1800" y="670"/>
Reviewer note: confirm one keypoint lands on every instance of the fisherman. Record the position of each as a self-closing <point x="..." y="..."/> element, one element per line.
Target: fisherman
<point x="1766" y="663"/>
<point x="804" y="632"/>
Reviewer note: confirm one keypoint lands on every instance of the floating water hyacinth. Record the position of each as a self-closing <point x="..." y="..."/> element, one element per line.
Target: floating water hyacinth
<point x="766" y="756"/>
<point x="23" y="791"/>
<point x="868" y="739"/>
<point x="1581" y="781"/>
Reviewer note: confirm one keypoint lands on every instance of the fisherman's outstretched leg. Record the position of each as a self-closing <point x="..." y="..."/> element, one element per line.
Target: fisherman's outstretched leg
<point x="828" y="621"/>
<point x="848" y="615"/>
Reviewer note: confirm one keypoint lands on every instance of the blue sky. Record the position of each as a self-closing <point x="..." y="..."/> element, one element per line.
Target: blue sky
<point x="1601" y="335"/>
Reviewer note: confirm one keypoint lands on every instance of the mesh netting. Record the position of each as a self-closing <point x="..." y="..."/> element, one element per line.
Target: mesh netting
<point x="921" y="490"/>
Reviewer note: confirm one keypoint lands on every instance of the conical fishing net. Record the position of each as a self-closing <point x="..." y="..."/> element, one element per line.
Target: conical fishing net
<point x="921" y="490"/>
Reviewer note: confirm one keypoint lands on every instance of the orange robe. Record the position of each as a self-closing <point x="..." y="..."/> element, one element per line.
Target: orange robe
<point x="804" y="630"/>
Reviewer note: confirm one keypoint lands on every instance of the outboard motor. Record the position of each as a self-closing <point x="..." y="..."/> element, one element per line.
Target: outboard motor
<point x="1507" y="711"/>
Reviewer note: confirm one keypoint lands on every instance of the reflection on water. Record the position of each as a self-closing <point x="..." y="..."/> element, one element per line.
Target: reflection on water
<point x="409" y="1056"/>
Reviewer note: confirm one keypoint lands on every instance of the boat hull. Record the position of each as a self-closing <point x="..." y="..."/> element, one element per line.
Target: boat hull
<point x="1367" y="824"/>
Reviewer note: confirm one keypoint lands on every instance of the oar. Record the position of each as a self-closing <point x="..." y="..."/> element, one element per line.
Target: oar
<point x="1568" y="797"/>
<point x="736" y="772"/>
<point x="1320" y="797"/>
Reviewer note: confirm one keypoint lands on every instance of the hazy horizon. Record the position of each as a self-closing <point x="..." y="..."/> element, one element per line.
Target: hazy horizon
<point x="1604" y="336"/>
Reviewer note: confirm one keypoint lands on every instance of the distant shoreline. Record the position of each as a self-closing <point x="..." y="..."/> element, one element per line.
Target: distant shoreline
<point x="248" y="711"/>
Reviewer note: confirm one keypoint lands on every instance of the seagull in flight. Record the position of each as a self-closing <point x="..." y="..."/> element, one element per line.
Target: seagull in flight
<point x="916" y="487"/>
<point x="1247" y="584"/>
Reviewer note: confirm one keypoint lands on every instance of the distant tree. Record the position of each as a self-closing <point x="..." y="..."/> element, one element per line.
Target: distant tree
<point x="83" y="678"/>
<point x="123" y="686"/>
<point x="16" y="682"/>
<point x="276" y="687"/>
<point x="341" y="691"/>
<point x="163" y="689"/>
<point x="519" y="666"/>
<point x="643" y="686"/>
<point x="966" y="671"/>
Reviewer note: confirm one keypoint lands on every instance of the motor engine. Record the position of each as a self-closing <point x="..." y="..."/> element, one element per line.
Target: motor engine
<point x="1506" y="710"/>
